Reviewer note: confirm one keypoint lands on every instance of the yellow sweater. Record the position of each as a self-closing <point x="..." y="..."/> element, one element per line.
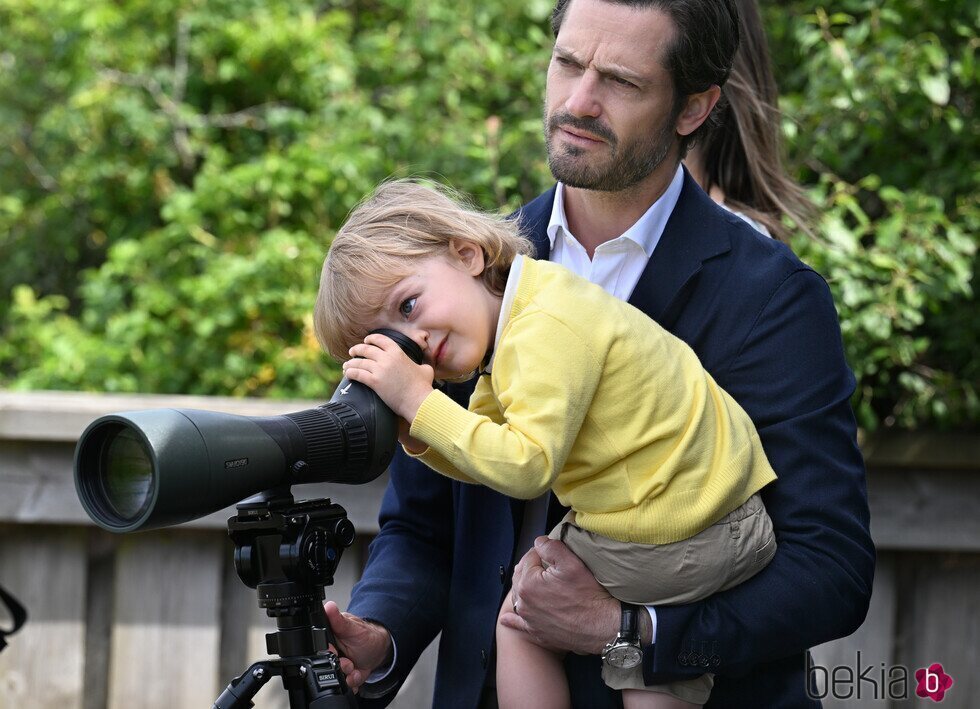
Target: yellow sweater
<point x="590" y="397"/>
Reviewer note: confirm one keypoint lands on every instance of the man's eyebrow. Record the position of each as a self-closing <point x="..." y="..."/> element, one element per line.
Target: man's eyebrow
<point x="616" y="70"/>
<point x="564" y="53"/>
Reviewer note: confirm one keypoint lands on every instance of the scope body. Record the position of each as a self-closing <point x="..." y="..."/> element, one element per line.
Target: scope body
<point x="153" y="468"/>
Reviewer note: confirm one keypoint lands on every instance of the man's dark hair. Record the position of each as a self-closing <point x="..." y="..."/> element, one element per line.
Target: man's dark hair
<point x="701" y="54"/>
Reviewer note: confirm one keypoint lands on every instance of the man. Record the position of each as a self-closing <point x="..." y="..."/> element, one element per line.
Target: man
<point x="629" y="87"/>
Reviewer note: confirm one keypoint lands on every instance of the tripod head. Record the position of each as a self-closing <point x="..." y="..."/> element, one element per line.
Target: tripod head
<point x="288" y="551"/>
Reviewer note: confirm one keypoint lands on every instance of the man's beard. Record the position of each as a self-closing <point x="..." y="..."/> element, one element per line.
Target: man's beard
<point x="626" y="165"/>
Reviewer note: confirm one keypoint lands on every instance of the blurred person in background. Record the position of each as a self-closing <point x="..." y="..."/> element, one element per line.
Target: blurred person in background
<point x="739" y="163"/>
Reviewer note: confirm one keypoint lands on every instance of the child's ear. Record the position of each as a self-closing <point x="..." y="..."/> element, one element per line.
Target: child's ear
<point x="470" y="255"/>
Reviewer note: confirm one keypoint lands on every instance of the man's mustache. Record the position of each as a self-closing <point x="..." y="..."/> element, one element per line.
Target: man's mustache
<point x="589" y="125"/>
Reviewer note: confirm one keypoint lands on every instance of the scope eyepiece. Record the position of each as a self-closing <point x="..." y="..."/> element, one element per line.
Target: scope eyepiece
<point x="158" y="467"/>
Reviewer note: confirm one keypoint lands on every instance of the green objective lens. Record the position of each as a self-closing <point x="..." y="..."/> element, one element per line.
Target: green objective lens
<point x="126" y="474"/>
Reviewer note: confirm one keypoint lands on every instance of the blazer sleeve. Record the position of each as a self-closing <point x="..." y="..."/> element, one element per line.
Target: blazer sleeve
<point x="405" y="585"/>
<point x="790" y="375"/>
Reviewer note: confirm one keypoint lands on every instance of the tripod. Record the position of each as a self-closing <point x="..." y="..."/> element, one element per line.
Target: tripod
<point x="288" y="551"/>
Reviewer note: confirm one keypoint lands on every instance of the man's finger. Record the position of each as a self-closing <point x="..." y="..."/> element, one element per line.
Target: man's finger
<point x="510" y="619"/>
<point x="530" y="559"/>
<point x="553" y="553"/>
<point x="354" y="680"/>
<point x="338" y="622"/>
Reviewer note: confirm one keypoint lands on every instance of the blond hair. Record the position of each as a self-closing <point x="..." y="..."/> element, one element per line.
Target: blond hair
<point x="401" y="223"/>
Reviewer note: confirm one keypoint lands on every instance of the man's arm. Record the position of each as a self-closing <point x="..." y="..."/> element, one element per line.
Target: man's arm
<point x="405" y="585"/>
<point x="791" y="377"/>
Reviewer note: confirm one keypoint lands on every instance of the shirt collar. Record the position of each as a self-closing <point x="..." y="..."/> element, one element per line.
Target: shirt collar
<point x="647" y="230"/>
<point x="510" y="292"/>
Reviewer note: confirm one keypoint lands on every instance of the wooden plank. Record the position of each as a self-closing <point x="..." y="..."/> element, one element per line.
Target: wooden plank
<point x="925" y="509"/>
<point x="910" y="509"/>
<point x="37" y="483"/>
<point x="42" y="667"/>
<point x="63" y="415"/>
<point x="419" y="686"/>
<point x="874" y="640"/>
<point x="940" y="622"/>
<point x="165" y="634"/>
<point x="102" y="548"/>
<point x="922" y="449"/>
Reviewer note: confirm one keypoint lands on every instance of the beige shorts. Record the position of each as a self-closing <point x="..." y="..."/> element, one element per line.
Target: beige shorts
<point x="728" y="552"/>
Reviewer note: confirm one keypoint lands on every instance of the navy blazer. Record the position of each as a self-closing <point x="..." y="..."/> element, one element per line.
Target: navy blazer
<point x="765" y="327"/>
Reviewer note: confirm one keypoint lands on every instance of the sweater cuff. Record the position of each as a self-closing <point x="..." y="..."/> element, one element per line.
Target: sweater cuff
<point x="416" y="456"/>
<point x="440" y="422"/>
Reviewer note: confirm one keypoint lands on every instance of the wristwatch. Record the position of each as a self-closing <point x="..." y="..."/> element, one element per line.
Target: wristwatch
<point x="624" y="652"/>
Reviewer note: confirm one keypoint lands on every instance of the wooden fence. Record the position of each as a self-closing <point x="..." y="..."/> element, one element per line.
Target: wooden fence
<point x="160" y="619"/>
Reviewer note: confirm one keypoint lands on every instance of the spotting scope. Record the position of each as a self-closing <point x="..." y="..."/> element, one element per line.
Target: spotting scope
<point x="154" y="468"/>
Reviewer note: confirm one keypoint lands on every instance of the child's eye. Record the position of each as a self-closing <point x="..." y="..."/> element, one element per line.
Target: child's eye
<point x="407" y="306"/>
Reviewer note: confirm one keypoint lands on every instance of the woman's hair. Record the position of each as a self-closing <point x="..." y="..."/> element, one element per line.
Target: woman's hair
<point x="743" y="154"/>
<point x="401" y="223"/>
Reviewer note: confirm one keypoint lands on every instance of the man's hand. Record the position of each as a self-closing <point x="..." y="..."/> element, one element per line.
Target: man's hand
<point x="559" y="603"/>
<point x="382" y="365"/>
<point x="365" y="645"/>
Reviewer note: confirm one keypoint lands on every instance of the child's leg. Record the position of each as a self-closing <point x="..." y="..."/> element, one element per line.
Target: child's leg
<point x="639" y="699"/>
<point x="527" y="674"/>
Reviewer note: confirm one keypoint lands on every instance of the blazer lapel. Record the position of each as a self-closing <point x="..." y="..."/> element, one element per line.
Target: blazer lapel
<point x="693" y="234"/>
<point x="534" y="217"/>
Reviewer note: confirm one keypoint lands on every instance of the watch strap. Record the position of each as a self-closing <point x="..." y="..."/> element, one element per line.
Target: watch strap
<point x="629" y="624"/>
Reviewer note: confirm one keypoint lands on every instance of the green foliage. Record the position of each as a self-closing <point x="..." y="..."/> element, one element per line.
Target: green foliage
<point x="178" y="170"/>
<point x="172" y="172"/>
<point x="881" y="102"/>
<point x="891" y="278"/>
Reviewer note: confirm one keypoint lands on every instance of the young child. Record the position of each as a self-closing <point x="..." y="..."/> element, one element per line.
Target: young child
<point x="578" y="392"/>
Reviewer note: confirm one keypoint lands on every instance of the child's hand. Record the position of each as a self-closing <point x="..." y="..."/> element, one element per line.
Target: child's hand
<point x="382" y="365"/>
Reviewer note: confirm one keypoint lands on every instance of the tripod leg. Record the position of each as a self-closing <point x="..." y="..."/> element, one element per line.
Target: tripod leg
<point x="238" y="694"/>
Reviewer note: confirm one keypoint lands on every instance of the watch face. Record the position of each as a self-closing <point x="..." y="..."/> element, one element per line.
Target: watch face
<point x="625" y="657"/>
